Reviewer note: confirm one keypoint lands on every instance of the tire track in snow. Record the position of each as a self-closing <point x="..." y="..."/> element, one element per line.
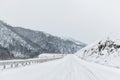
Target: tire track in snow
<point x="86" y="71"/>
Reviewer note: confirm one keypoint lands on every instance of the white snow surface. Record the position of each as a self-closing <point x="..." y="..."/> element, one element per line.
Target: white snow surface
<point x="68" y="68"/>
<point x="50" y="55"/>
<point x="108" y="55"/>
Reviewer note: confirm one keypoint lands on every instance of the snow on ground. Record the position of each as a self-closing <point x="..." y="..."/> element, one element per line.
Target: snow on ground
<point x="68" y="68"/>
<point x="8" y="64"/>
<point x="50" y="55"/>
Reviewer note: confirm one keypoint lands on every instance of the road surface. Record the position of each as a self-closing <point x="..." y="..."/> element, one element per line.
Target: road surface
<point x="68" y="68"/>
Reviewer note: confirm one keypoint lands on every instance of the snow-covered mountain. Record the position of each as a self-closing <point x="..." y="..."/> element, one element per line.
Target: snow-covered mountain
<point x="105" y="51"/>
<point x="50" y="43"/>
<point x="24" y="43"/>
<point x="17" y="46"/>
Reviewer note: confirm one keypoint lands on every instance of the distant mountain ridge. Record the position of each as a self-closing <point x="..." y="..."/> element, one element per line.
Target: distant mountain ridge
<point x="50" y="43"/>
<point x="16" y="42"/>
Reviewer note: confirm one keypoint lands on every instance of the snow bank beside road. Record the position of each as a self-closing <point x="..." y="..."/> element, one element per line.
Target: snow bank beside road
<point x="51" y="55"/>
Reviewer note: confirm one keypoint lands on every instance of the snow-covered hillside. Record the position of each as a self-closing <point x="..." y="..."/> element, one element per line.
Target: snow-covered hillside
<point x="50" y="43"/>
<point x="105" y="51"/>
<point x="16" y="45"/>
<point x="68" y="68"/>
<point x="18" y="42"/>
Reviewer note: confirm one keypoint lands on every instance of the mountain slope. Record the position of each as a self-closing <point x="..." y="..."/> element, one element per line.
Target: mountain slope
<point x="25" y="43"/>
<point x="49" y="43"/>
<point x="105" y="51"/>
<point x="15" y="44"/>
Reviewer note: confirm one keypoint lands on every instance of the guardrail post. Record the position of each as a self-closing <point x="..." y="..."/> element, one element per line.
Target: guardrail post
<point x="4" y="66"/>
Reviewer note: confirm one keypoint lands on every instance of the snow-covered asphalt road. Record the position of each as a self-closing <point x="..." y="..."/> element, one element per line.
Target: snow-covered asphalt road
<point x="68" y="68"/>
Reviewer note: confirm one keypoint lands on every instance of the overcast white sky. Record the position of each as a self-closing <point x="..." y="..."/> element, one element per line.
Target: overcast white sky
<point x="84" y="20"/>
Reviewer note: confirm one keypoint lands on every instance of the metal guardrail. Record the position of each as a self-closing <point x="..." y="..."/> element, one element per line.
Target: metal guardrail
<point x="22" y="63"/>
